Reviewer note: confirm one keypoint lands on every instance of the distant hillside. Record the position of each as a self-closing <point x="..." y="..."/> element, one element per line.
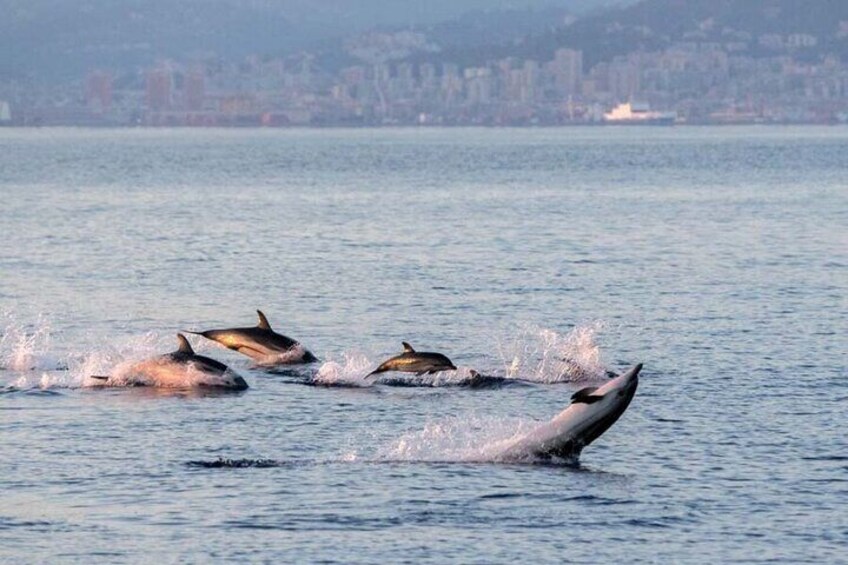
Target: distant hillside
<point x="656" y="24"/>
<point x="60" y="39"/>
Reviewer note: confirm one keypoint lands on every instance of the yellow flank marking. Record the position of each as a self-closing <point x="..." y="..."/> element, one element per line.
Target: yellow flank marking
<point x="229" y="341"/>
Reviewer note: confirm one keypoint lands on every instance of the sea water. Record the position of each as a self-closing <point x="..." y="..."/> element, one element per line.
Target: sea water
<point x="718" y="257"/>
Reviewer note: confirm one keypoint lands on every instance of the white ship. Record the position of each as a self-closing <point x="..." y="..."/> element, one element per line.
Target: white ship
<point x="638" y="114"/>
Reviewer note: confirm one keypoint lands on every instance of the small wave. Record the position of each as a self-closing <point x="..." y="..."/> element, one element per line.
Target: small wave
<point x="40" y="526"/>
<point x="224" y="463"/>
<point x="31" y="391"/>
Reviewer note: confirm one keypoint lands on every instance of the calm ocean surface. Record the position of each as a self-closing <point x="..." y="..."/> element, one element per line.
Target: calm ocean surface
<point x="718" y="257"/>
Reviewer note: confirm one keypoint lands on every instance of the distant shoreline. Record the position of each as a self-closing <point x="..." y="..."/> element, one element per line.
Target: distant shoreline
<point x="422" y="126"/>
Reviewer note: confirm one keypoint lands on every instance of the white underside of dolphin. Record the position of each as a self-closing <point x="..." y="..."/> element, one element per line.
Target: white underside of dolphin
<point x="591" y="413"/>
<point x="168" y="374"/>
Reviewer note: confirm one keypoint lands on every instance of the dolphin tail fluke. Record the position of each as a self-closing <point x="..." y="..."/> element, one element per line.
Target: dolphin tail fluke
<point x="376" y="371"/>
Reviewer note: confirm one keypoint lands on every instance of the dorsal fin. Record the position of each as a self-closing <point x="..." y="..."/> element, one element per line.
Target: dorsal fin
<point x="185" y="346"/>
<point x="585" y="395"/>
<point x="263" y="321"/>
<point x="407" y="348"/>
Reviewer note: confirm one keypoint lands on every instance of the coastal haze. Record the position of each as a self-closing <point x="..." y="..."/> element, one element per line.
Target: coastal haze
<point x="332" y="63"/>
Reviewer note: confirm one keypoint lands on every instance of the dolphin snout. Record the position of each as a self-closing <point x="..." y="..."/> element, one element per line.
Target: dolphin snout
<point x="239" y="383"/>
<point x="632" y="381"/>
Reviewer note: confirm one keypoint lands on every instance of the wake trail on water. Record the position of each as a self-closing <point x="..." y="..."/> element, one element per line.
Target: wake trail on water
<point x="470" y="440"/>
<point x="353" y="368"/>
<point x="530" y="355"/>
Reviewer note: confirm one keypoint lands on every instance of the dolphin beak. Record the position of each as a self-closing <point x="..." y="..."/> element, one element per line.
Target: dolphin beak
<point x="635" y="371"/>
<point x="631" y="379"/>
<point x="239" y="383"/>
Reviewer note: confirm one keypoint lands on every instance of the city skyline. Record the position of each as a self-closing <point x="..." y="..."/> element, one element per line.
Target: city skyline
<point x="712" y="73"/>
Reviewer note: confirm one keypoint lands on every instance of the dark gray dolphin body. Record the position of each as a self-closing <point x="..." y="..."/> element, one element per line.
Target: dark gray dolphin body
<point x="262" y="344"/>
<point x="411" y="361"/>
<point x="181" y="369"/>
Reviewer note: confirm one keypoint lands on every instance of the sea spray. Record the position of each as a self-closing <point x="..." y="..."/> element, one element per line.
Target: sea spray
<point x="109" y="358"/>
<point x="470" y="438"/>
<point x="25" y="347"/>
<point x="351" y="371"/>
<point x="546" y="356"/>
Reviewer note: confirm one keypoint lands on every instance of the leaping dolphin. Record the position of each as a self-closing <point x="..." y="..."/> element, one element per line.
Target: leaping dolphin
<point x="411" y="361"/>
<point x="262" y="344"/>
<point x="592" y="411"/>
<point x="181" y="369"/>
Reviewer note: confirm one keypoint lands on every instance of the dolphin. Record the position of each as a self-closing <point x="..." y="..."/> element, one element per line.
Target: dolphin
<point x="181" y="369"/>
<point x="592" y="411"/>
<point x="411" y="361"/>
<point x="262" y="344"/>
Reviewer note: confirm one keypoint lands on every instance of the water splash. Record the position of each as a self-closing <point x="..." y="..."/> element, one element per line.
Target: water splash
<point x="351" y="371"/>
<point x="545" y="356"/>
<point x="26" y="348"/>
<point x="115" y="358"/>
<point x="469" y="439"/>
<point x="107" y="359"/>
